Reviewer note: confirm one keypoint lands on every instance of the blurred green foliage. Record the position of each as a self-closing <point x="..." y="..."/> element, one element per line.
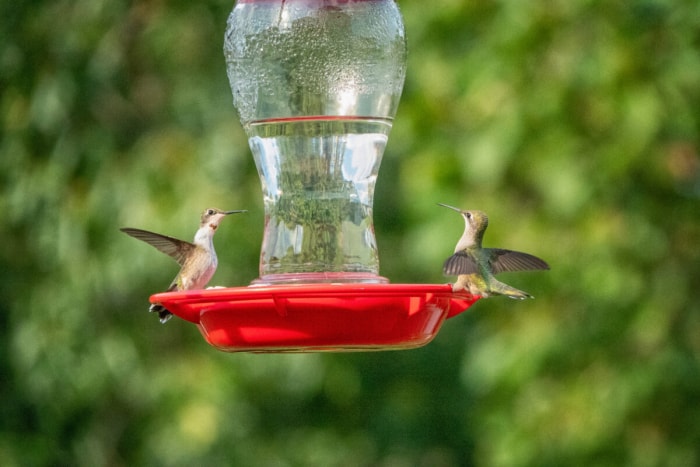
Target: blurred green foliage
<point x="574" y="123"/>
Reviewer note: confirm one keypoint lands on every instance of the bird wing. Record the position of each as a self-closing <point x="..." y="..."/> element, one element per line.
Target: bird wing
<point x="173" y="247"/>
<point x="508" y="260"/>
<point x="460" y="263"/>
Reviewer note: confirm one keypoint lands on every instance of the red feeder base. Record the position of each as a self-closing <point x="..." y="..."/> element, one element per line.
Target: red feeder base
<point x="318" y="317"/>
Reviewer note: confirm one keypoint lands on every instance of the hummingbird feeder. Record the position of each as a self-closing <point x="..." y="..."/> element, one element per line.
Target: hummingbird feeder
<point x="317" y="84"/>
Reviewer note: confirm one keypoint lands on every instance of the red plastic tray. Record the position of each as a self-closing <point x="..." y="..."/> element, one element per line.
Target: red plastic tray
<point x="318" y="317"/>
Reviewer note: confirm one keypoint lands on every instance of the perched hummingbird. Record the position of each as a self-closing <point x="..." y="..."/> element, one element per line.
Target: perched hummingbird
<point x="475" y="266"/>
<point x="197" y="259"/>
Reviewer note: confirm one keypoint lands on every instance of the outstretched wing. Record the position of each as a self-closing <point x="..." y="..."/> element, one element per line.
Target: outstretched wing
<point x="460" y="263"/>
<point x="173" y="247"/>
<point x="508" y="260"/>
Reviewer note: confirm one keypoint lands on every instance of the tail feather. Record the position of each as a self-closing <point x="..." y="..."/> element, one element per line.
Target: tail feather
<point x="163" y="312"/>
<point x="510" y="292"/>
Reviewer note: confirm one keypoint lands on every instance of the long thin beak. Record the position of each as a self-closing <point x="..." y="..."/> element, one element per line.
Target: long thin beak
<point x="233" y="212"/>
<point x="449" y="207"/>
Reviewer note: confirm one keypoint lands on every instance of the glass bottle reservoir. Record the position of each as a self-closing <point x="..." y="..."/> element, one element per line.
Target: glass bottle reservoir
<point x="317" y="84"/>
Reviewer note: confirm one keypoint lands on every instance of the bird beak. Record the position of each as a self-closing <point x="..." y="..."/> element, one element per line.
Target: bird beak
<point x="233" y="212"/>
<point x="449" y="207"/>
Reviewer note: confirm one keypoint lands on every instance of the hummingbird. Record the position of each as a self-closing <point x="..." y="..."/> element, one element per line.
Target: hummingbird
<point x="475" y="266"/>
<point x="197" y="259"/>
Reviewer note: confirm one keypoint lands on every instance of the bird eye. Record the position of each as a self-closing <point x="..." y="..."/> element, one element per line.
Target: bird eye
<point x="210" y="212"/>
<point x="469" y="215"/>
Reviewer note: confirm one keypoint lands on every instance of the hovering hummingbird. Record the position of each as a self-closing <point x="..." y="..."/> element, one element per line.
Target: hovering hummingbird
<point x="475" y="266"/>
<point x="197" y="259"/>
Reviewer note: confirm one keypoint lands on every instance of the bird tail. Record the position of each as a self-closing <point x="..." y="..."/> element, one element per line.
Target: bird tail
<point x="163" y="312"/>
<point x="510" y="292"/>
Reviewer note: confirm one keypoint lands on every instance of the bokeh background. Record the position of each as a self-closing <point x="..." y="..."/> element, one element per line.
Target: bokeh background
<point x="574" y="124"/>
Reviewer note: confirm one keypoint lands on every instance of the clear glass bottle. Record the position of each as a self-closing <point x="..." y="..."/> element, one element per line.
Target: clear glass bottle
<point x="317" y="84"/>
